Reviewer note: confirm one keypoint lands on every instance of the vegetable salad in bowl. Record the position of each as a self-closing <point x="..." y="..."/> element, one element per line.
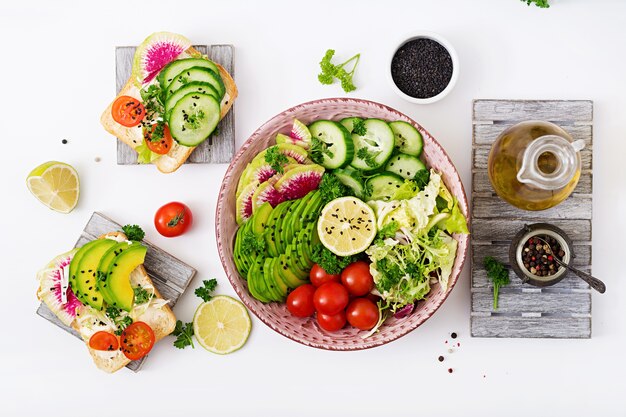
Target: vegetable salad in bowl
<point x="347" y="224"/>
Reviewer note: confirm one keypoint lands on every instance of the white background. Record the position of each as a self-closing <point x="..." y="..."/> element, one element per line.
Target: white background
<point x="57" y="76"/>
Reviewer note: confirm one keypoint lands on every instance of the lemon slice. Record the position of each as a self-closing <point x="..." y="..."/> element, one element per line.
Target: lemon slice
<point x="56" y="185"/>
<point x="347" y="226"/>
<point x="222" y="325"/>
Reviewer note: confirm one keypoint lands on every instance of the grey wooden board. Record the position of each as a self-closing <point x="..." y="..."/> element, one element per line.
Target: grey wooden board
<point x="219" y="148"/>
<point x="170" y="275"/>
<point x="564" y="309"/>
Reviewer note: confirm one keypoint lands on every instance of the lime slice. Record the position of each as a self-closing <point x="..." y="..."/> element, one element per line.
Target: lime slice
<point x="222" y="325"/>
<point x="347" y="226"/>
<point x="56" y="185"/>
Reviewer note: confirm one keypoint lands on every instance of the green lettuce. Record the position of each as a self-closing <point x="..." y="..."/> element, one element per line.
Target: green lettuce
<point x="145" y="155"/>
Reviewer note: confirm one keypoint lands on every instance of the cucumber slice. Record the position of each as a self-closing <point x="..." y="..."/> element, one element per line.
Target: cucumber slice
<point x="174" y="68"/>
<point x="352" y="179"/>
<point x="334" y="147"/>
<point x="372" y="150"/>
<point x="348" y="122"/>
<point x="382" y="186"/>
<point x="192" y="87"/>
<point x="407" y="138"/>
<point x="194" y="118"/>
<point x="190" y="75"/>
<point x="405" y="165"/>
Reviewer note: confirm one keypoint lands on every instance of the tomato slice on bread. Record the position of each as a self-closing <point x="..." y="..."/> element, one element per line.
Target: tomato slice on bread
<point x="104" y="341"/>
<point x="137" y="340"/>
<point x="128" y="111"/>
<point x="161" y="142"/>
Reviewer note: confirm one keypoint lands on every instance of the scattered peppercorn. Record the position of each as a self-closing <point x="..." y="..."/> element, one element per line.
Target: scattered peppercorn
<point x="64" y="141"/>
<point x="453" y="335"/>
<point x="440" y="358"/>
<point x="421" y="68"/>
<point x="537" y="257"/>
<point x="450" y="370"/>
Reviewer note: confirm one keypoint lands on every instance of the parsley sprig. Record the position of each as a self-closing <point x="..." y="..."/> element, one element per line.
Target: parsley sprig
<point x="368" y="156"/>
<point x="121" y="323"/>
<point x="330" y="71"/>
<point x="539" y="3"/>
<point x="133" y="232"/>
<point x="358" y="127"/>
<point x="276" y="159"/>
<point x="141" y="295"/>
<point x="319" y="148"/>
<point x="207" y="288"/>
<point x="331" y="188"/>
<point x="330" y="262"/>
<point x="183" y="333"/>
<point x="499" y="276"/>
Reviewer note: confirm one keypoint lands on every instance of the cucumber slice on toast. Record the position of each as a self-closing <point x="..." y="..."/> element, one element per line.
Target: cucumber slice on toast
<point x="174" y="68"/>
<point x="194" y="118"/>
<point x="190" y="75"/>
<point x="192" y="87"/>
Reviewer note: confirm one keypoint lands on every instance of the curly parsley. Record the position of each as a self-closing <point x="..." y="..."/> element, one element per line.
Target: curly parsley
<point x="330" y="262"/>
<point x="539" y="3"/>
<point x="330" y="71"/>
<point x="498" y="274"/>
<point x="184" y="335"/>
<point x="331" y="188"/>
<point x="422" y="178"/>
<point x="207" y="288"/>
<point x="276" y="159"/>
<point x="369" y="157"/>
<point x="252" y="243"/>
<point x="358" y="127"/>
<point x="133" y="232"/>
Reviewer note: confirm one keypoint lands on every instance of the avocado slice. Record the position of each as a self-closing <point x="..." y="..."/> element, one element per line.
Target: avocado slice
<point x="297" y="214"/>
<point x="86" y="275"/>
<point x="277" y="291"/>
<point x="74" y="267"/>
<point x="254" y="278"/>
<point x="260" y="217"/>
<point x="270" y="232"/>
<point x="105" y="265"/>
<point x="118" y="277"/>
<point x="286" y="273"/>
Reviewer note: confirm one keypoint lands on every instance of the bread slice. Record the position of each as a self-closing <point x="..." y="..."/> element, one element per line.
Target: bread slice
<point x="161" y="320"/>
<point x="133" y="137"/>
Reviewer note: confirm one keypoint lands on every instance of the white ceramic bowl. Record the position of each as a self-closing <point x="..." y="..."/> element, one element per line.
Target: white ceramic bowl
<point x="455" y="66"/>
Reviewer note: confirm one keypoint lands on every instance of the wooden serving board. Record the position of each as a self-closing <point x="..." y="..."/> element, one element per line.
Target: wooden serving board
<point x="170" y="275"/>
<point x="219" y="148"/>
<point x="559" y="311"/>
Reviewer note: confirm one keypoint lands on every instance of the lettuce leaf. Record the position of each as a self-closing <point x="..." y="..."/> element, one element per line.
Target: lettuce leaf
<point x="145" y="155"/>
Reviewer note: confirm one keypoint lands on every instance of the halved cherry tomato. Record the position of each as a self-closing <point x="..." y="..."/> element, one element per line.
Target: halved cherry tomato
<point x="319" y="276"/>
<point x="104" y="341"/>
<point x="173" y="219"/>
<point x="357" y="278"/>
<point x="162" y="145"/>
<point x="331" y="298"/>
<point x="300" y="301"/>
<point x="128" y="111"/>
<point x="137" y="340"/>
<point x="333" y="322"/>
<point x="362" y="314"/>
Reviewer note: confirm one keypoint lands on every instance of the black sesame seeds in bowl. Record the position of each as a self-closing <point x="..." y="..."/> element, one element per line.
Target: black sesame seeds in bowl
<point x="423" y="68"/>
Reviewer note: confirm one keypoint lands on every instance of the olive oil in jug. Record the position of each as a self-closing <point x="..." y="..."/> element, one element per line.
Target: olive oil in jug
<point x="534" y="165"/>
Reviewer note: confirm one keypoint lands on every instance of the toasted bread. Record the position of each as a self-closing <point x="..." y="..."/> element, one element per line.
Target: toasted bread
<point x="161" y="320"/>
<point x="133" y="137"/>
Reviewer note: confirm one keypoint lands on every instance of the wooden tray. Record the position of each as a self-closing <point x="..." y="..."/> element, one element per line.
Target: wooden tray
<point x="219" y="148"/>
<point x="170" y="276"/>
<point x="564" y="309"/>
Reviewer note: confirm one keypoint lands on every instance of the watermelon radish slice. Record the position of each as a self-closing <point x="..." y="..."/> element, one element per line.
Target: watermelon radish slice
<point x="243" y="206"/>
<point x="258" y="170"/>
<point x="299" y="181"/>
<point x="154" y="53"/>
<point x="51" y="289"/>
<point x="300" y="134"/>
<point x="266" y="193"/>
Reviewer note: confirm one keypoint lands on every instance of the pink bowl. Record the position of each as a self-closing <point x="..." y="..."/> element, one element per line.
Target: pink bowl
<point x="275" y="315"/>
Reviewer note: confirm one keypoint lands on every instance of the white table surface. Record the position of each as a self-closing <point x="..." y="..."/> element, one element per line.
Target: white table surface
<point x="58" y="76"/>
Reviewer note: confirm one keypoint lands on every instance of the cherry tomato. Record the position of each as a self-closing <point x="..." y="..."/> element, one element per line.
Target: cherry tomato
<point x="333" y="322"/>
<point x="160" y="146"/>
<point x="362" y="314"/>
<point x="319" y="276"/>
<point x="330" y="298"/>
<point x="173" y="219"/>
<point x="357" y="278"/>
<point x="104" y="341"/>
<point x="300" y="301"/>
<point x="128" y="111"/>
<point x="137" y="340"/>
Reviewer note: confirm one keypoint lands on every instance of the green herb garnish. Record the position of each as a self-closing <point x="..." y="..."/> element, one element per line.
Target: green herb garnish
<point x="330" y="262"/>
<point x="358" y="127"/>
<point x="498" y="274"/>
<point x="369" y="157"/>
<point x="183" y="333"/>
<point x="276" y="159"/>
<point x="539" y="3"/>
<point x="141" y="295"/>
<point x="330" y="71"/>
<point x="133" y="232"/>
<point x="388" y="231"/>
<point x="252" y="243"/>
<point x="331" y="188"/>
<point x="422" y="178"/>
<point x="207" y="288"/>
<point x="123" y="324"/>
<point x="319" y="148"/>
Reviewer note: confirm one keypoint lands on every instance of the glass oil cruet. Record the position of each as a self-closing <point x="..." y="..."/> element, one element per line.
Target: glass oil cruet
<point x="534" y="165"/>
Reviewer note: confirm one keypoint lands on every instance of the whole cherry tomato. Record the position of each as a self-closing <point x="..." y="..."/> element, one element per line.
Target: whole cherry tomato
<point x="319" y="276"/>
<point x="331" y="298"/>
<point x="357" y="278"/>
<point x="333" y="322"/>
<point x="173" y="219"/>
<point x="300" y="301"/>
<point x="362" y="314"/>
